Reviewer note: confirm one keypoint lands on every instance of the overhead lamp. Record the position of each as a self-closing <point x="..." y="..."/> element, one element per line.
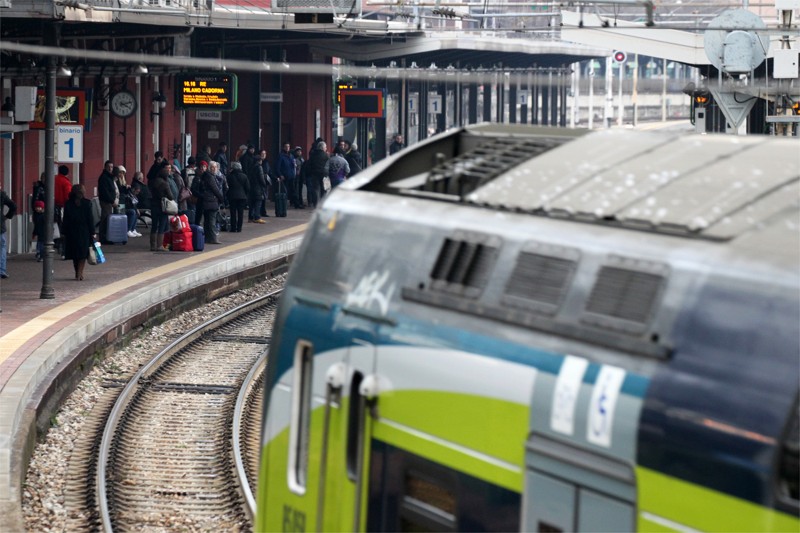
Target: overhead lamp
<point x="140" y="69"/>
<point x="63" y="70"/>
<point x="159" y="103"/>
<point x="161" y="99"/>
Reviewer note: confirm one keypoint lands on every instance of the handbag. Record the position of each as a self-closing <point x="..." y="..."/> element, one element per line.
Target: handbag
<point x="326" y="183"/>
<point x="98" y="251"/>
<point x="169" y="207"/>
<point x="185" y="194"/>
<point x="92" y="259"/>
<point x="56" y="231"/>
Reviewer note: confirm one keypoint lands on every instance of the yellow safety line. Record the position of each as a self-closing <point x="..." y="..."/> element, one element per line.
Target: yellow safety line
<point x="12" y="341"/>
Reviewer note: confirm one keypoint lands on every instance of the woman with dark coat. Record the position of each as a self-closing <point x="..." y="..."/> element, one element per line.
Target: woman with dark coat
<point x="238" y="191"/>
<point x="159" y="188"/>
<point x="212" y="198"/>
<point x="78" y="228"/>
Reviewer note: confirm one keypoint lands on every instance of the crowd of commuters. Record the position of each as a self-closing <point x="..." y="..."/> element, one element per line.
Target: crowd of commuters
<point x="241" y="182"/>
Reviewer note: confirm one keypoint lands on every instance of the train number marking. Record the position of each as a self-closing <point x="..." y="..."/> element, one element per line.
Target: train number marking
<point x="372" y="289"/>
<point x="293" y="520"/>
<point x="602" y="406"/>
<point x="565" y="394"/>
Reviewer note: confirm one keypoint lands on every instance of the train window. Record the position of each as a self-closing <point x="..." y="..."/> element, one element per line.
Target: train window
<point x="426" y="505"/>
<point x="301" y="417"/>
<point x="539" y="282"/>
<point x="625" y="294"/>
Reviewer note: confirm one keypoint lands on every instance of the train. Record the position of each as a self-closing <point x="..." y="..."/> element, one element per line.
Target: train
<point x="520" y="328"/>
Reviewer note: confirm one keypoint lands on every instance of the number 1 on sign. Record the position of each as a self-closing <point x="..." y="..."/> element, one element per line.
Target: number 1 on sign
<point x="71" y="145"/>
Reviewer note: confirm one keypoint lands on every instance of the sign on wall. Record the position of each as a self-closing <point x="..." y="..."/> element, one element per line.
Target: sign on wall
<point x="206" y="91"/>
<point x="69" y="143"/>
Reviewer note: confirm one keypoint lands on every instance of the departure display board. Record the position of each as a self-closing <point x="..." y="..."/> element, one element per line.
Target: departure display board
<point x="361" y="103"/>
<point x="206" y="91"/>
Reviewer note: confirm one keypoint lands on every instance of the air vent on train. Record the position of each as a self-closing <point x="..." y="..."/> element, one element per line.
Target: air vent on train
<point x="539" y="282"/>
<point x="624" y="298"/>
<point x="464" y="265"/>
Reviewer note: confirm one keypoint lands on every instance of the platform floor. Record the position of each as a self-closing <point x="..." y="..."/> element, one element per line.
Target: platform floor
<point x="37" y="334"/>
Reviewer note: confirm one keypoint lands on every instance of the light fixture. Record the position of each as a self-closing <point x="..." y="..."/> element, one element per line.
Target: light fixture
<point x="159" y="103"/>
<point x="140" y="69"/>
<point x="161" y="99"/>
<point x="63" y="70"/>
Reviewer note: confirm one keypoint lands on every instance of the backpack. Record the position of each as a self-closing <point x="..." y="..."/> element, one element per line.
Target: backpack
<point x="197" y="186"/>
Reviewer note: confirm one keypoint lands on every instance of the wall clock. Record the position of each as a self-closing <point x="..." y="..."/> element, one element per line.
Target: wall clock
<point x="123" y="104"/>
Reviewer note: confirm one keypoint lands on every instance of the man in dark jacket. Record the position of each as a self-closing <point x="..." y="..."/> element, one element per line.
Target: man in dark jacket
<point x="248" y="158"/>
<point x="108" y="194"/>
<point x="212" y="199"/>
<point x="353" y="158"/>
<point x="316" y="169"/>
<point x="221" y="157"/>
<point x="238" y="192"/>
<point x="258" y="186"/>
<point x="285" y="171"/>
<point x="156" y="166"/>
<point x="397" y="144"/>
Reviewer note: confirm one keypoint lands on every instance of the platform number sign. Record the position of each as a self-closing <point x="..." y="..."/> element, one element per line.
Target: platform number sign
<point x="69" y="143"/>
<point x="435" y="104"/>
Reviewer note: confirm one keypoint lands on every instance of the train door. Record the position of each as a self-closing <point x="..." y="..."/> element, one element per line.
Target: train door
<point x="344" y="440"/>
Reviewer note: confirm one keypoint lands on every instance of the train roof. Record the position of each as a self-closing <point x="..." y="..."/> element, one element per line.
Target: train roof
<point x="714" y="187"/>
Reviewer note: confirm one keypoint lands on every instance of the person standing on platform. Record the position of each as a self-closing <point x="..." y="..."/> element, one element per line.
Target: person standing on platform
<point x="39" y="224"/>
<point x="238" y="192"/>
<point x="221" y="157"/>
<point x="268" y="179"/>
<point x="212" y="200"/>
<point x="188" y="176"/>
<point x="205" y="155"/>
<point x="317" y="169"/>
<point x="397" y="144"/>
<point x="248" y="158"/>
<point x="78" y="228"/>
<point x="177" y="160"/>
<point x="258" y="188"/>
<point x="156" y="166"/>
<point x="353" y="157"/>
<point x="159" y="188"/>
<point x="338" y="169"/>
<point x="300" y="176"/>
<point x="63" y="186"/>
<point x="285" y="172"/>
<point x="5" y="202"/>
<point x="108" y="193"/>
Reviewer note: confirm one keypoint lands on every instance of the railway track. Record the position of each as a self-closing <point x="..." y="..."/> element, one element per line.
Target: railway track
<point x="180" y="445"/>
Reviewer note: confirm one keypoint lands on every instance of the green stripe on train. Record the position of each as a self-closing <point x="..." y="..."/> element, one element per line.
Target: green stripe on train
<point x="697" y="507"/>
<point x="482" y="437"/>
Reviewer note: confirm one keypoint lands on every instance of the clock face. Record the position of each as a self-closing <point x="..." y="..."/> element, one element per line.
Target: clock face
<point x="123" y="104"/>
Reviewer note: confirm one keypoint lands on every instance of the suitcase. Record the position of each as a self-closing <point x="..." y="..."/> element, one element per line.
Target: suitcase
<point x="281" y="201"/>
<point x="198" y="238"/>
<point x="182" y="242"/>
<point x="117" y="229"/>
